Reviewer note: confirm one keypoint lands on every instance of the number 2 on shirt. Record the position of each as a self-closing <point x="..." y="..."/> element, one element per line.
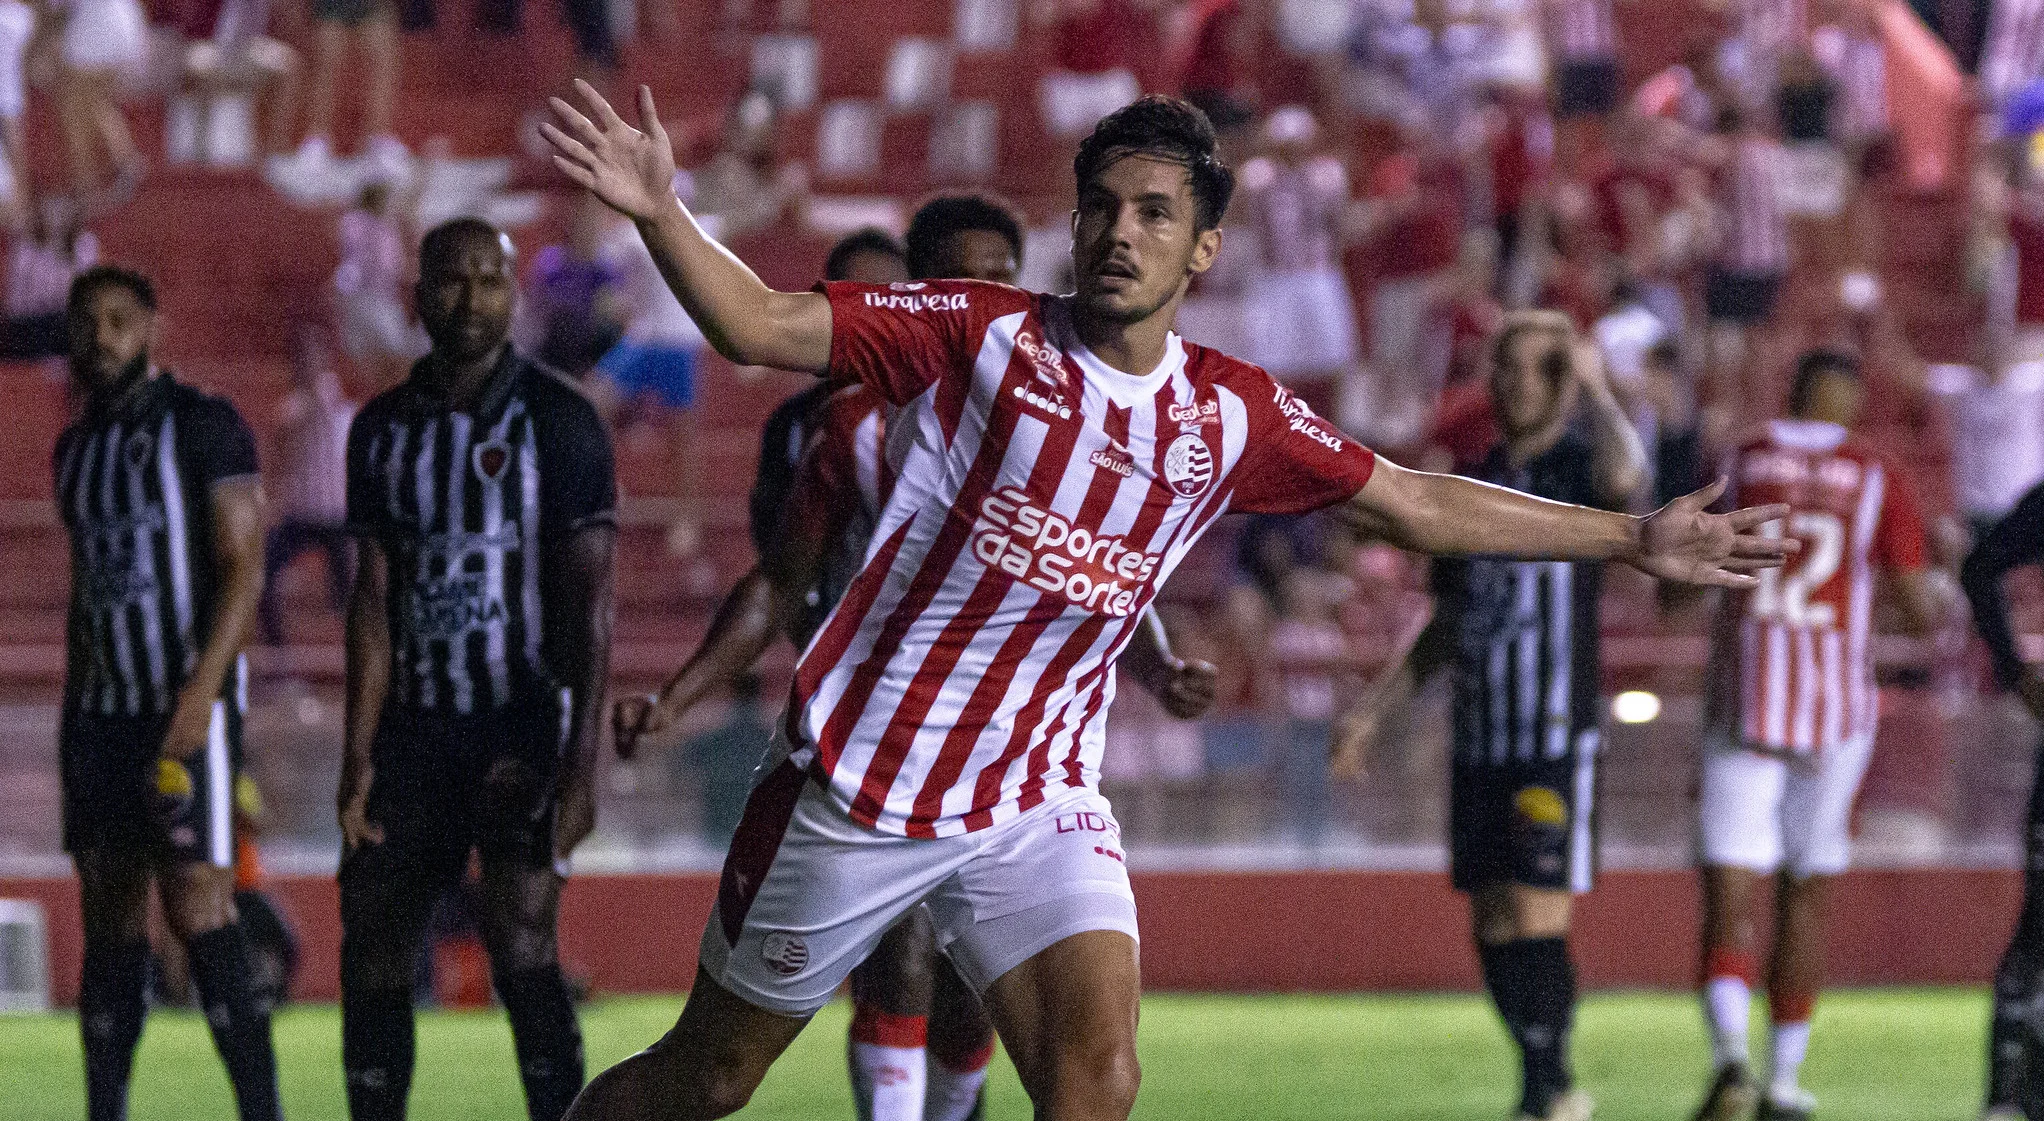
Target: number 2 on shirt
<point x="1784" y="593"/>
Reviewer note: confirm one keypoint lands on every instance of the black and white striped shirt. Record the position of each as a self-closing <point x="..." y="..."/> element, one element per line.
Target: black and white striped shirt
<point x="1526" y="649"/>
<point x="134" y="487"/>
<point x="461" y="502"/>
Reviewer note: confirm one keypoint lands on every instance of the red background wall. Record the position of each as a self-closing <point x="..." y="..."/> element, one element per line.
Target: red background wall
<point x="1260" y="931"/>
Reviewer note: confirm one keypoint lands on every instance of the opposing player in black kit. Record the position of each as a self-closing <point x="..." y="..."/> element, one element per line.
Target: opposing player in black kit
<point x="2015" y="1059"/>
<point x="482" y="502"/>
<point x="1521" y="637"/>
<point x="156" y="484"/>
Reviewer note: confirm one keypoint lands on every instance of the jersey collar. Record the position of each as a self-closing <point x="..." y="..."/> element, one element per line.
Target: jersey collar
<point x="1806" y="435"/>
<point x="1123" y="389"/>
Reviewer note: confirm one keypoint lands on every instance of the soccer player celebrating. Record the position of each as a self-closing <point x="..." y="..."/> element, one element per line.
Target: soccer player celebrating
<point x="943" y="740"/>
<point x="2015" y="1059"/>
<point x="1522" y="638"/>
<point x="1790" y="717"/>
<point x="156" y="484"/>
<point x="482" y="503"/>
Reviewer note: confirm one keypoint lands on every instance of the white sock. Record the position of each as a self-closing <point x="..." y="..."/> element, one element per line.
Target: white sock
<point x="1728" y="1004"/>
<point x="952" y="1093"/>
<point x="888" y="1081"/>
<point x="1791" y="1043"/>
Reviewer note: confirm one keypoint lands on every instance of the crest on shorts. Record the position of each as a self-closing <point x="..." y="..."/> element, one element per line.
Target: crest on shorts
<point x="1188" y="465"/>
<point x="785" y="954"/>
<point x="1538" y="805"/>
<point x="138" y="448"/>
<point x="491" y="459"/>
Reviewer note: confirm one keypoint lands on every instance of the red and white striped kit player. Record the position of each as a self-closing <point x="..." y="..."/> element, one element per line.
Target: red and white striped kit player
<point x="1794" y="651"/>
<point x="841" y="485"/>
<point x="1580" y="29"/>
<point x="1042" y="498"/>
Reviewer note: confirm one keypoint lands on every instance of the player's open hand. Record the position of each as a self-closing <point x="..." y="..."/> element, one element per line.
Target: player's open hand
<point x="1684" y="542"/>
<point x="630" y="169"/>
<point x="189" y="727"/>
<point x="633" y="717"/>
<point x="1354" y="737"/>
<point x="356" y="828"/>
<point x="1188" y="688"/>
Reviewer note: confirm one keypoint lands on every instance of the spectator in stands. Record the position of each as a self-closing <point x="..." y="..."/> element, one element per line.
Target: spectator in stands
<point x="1211" y="55"/>
<point x="1519" y="140"/>
<point x="2021" y="211"/>
<point x="742" y="187"/>
<point x="571" y="292"/>
<point x="49" y="250"/>
<point x="1997" y="436"/>
<point x="98" y="43"/>
<point x="374" y="322"/>
<point x="2012" y="54"/>
<point x="309" y="484"/>
<point x="1582" y="41"/>
<point x="312" y="170"/>
<point x="239" y="91"/>
<point x="1300" y="320"/>
<point x="1097" y="52"/>
<point x="1750" y="253"/>
<point x="719" y="762"/>
<point x="17" y="29"/>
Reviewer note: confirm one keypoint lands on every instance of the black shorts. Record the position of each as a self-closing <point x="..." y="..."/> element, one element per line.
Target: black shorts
<point x="1532" y="824"/>
<point x="446" y="786"/>
<point x="1585" y="87"/>
<point x="119" y="794"/>
<point x="1741" y="298"/>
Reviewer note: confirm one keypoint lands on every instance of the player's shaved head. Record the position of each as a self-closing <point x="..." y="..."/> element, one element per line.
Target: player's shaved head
<point x="466" y="289"/>
<point x="444" y="242"/>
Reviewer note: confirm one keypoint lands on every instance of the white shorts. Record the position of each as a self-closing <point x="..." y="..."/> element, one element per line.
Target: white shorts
<point x="1768" y="813"/>
<point x="807" y="892"/>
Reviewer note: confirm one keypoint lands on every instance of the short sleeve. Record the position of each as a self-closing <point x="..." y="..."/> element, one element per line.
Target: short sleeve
<point x="216" y="443"/>
<point x="577" y="476"/>
<point x="1899" y="538"/>
<point x="900" y="339"/>
<point x="1294" y="461"/>
<point x="365" y="508"/>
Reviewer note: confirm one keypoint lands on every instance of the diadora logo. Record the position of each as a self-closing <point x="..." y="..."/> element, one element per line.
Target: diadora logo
<point x="1300" y="418"/>
<point x="1097" y="571"/>
<point x="1030" y="396"/>
<point x="1197" y="413"/>
<point x="1114" y="458"/>
<point x="907" y="286"/>
<point x="918" y="303"/>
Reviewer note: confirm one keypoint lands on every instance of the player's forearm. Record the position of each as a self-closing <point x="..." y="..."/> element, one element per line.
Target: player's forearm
<point x="238" y="555"/>
<point x="744" y="626"/>
<point x="1618" y="457"/>
<point x="368" y="669"/>
<point x="1448" y="515"/>
<point x="1980" y="578"/>
<point x="578" y="624"/>
<point x="748" y="322"/>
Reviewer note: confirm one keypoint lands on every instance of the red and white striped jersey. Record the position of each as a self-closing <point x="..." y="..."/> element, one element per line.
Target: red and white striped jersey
<point x="841" y="485"/>
<point x="2012" y="55"/>
<point x="1753" y="230"/>
<point x="1792" y="668"/>
<point x="1041" y="499"/>
<point x="1580" y="29"/>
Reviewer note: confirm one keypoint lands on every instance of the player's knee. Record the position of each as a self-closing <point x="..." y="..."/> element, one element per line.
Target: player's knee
<point x="523" y="949"/>
<point x="1100" y="1076"/>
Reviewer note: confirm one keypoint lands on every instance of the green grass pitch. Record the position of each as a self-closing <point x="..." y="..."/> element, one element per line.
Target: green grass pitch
<point x="1887" y="1055"/>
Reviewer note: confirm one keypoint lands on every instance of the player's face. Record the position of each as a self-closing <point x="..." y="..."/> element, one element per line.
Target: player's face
<point x="1835" y="397"/>
<point x="875" y="268"/>
<point x="465" y="298"/>
<point x="978" y="255"/>
<point x="1133" y="242"/>
<point x="1532" y="387"/>
<point x="110" y="336"/>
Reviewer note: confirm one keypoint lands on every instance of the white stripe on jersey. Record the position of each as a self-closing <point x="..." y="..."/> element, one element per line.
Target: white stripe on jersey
<point x="455" y="558"/>
<point x="153" y="650"/>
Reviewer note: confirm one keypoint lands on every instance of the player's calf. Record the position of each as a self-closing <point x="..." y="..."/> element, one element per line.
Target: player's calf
<point x="707" y="1066"/>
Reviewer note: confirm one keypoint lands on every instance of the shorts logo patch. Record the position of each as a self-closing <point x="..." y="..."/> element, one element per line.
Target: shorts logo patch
<point x="1538" y="805"/>
<point x="492" y="458"/>
<point x="1188" y="465"/>
<point x="785" y="954"/>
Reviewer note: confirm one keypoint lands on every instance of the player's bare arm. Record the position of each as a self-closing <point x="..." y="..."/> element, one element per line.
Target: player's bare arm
<point x="752" y="615"/>
<point x="1185" y="688"/>
<point x="368" y="670"/>
<point x="579" y="577"/>
<point x="1619" y="463"/>
<point x="632" y="171"/>
<point x="1448" y="515"/>
<point x="1356" y="729"/>
<point x="238" y="557"/>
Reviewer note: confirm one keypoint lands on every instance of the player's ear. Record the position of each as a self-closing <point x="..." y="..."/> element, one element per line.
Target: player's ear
<point x="1206" y="245"/>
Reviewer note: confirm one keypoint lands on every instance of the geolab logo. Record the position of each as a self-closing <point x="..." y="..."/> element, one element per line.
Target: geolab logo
<point x="1195" y="413"/>
<point x="1189" y="465"/>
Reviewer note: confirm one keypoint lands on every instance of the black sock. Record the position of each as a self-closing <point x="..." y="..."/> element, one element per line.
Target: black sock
<point x="240" y="1022"/>
<point x="1533" y="983"/>
<point x="110" y="1011"/>
<point x="547" y="1036"/>
<point x="376" y="1052"/>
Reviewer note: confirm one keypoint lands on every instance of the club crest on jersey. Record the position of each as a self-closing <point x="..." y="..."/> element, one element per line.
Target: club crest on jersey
<point x="784" y="953"/>
<point x="138" y="448"/>
<point x="491" y="458"/>
<point x="1188" y="465"/>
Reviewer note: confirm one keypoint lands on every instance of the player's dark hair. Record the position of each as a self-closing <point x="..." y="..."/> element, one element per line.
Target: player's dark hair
<point x="109" y="276"/>
<point x="871" y="239"/>
<point x="1161" y="128"/>
<point x="441" y="239"/>
<point x="1813" y="365"/>
<point x="941" y="218"/>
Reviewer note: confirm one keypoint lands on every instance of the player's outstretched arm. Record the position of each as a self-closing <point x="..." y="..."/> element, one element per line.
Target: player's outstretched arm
<point x="368" y="661"/>
<point x="238" y="557"/>
<point x="632" y="171"/>
<point x="1682" y="541"/>
<point x="745" y="624"/>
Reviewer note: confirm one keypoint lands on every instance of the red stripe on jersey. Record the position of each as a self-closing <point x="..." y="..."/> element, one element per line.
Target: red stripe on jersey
<point x="836" y="638"/>
<point x="1052" y="462"/>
